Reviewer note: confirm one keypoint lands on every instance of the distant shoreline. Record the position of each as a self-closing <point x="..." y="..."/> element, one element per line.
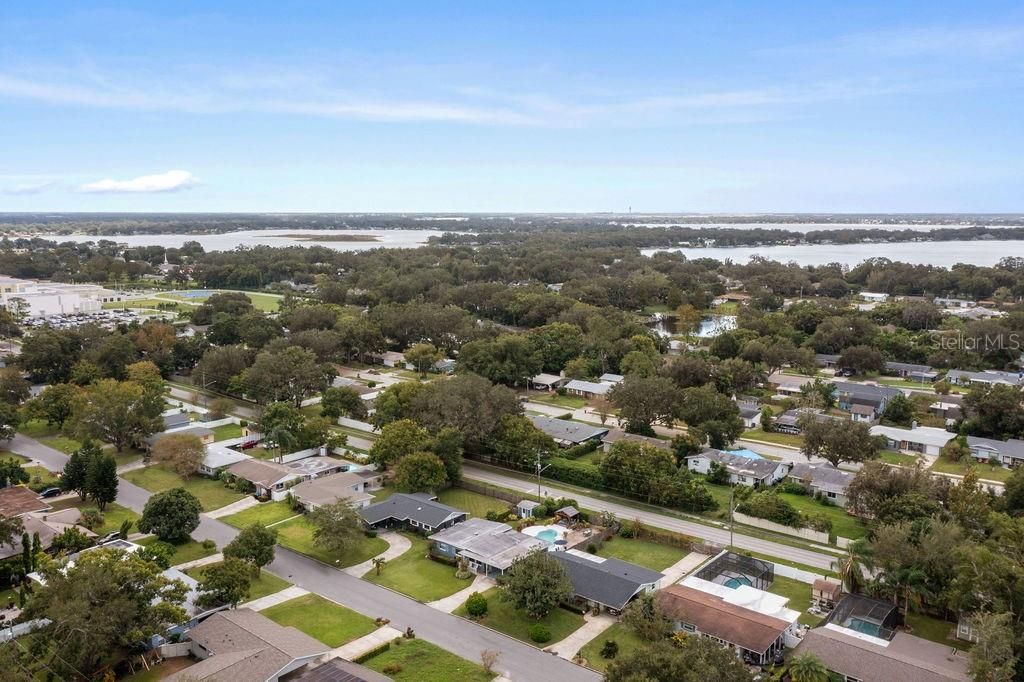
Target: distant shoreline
<point x="331" y="237"/>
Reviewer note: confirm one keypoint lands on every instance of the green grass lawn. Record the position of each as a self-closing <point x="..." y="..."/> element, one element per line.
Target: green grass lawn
<point x="504" y="618"/>
<point x="569" y="402"/>
<point x="898" y="458"/>
<point x="622" y="635"/>
<point x="267" y="583"/>
<point x="417" y="575"/>
<point x="321" y="619"/>
<point x="62" y="443"/>
<point x="227" y="431"/>
<point x="20" y="459"/>
<point x="935" y="630"/>
<point x="266" y="513"/>
<point x="265" y="302"/>
<point x="297" y="535"/>
<point x="772" y="437"/>
<point x="799" y="595"/>
<point x="473" y="503"/>
<point x="113" y="516"/>
<point x="211" y="493"/>
<point x="38" y="474"/>
<point x="37" y="428"/>
<point x="843" y="524"/>
<point x="420" y="661"/>
<point x="643" y="552"/>
<point x="183" y="553"/>
<point x="960" y="468"/>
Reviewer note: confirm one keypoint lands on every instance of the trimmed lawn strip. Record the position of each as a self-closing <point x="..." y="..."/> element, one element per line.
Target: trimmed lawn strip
<point x="211" y="493"/>
<point x="421" y="661"/>
<point x="297" y="535"/>
<point x="985" y="471"/>
<point x="321" y="619"/>
<point x="654" y="556"/>
<point x="183" y="553"/>
<point x="473" y="503"/>
<point x="622" y="635"/>
<point x="843" y="524"/>
<point x="567" y="401"/>
<point x="267" y="583"/>
<point x="799" y="595"/>
<point x="417" y="575"/>
<point x="226" y="431"/>
<point x="266" y="513"/>
<point x="502" y="617"/>
<point x="113" y="516"/>
<point x="773" y="437"/>
<point x="897" y="458"/>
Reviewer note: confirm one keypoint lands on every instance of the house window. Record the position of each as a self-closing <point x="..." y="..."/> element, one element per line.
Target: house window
<point x="830" y="494"/>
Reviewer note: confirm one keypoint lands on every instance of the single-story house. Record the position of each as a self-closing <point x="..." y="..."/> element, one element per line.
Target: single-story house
<point x="611" y="378"/>
<point x="176" y="420"/>
<point x="873" y="297"/>
<point x="48" y="525"/>
<point x="340" y="670"/>
<point x="374" y="479"/>
<point x="826" y="360"/>
<point x="823" y="479"/>
<point x="272" y="479"/>
<point x="421" y="511"/>
<point x="607" y="583"/>
<point x="241" y="644"/>
<point x="743" y="468"/>
<point x="488" y="547"/>
<point x="17" y="500"/>
<point x="990" y="377"/>
<point x="391" y="359"/>
<point x="953" y="302"/>
<point x="445" y="366"/>
<point x="877" y="397"/>
<point x="754" y="634"/>
<point x="587" y="389"/>
<point x="345" y="485"/>
<point x="787" y="384"/>
<point x="1009" y="453"/>
<point x="524" y="508"/>
<point x="864" y="414"/>
<point x="547" y="382"/>
<point x="976" y="313"/>
<point x="615" y="435"/>
<point x="218" y="457"/>
<point x="750" y="413"/>
<point x="927" y="440"/>
<point x="909" y="370"/>
<point x="204" y="434"/>
<point x="568" y="433"/>
<point x="947" y="410"/>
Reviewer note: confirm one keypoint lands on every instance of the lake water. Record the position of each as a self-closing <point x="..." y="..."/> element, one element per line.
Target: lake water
<point x="387" y="239"/>
<point x="803" y="227"/>
<point x="942" y="254"/>
<point x="710" y="326"/>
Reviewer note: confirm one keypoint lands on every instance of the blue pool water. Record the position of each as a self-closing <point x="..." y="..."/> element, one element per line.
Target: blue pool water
<point x="548" y="535"/>
<point x="192" y="293"/>
<point x="743" y="452"/>
<point x="733" y="583"/>
<point x="865" y="627"/>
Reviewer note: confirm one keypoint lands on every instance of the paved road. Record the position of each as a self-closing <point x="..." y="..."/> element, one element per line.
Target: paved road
<point x="713" y="534"/>
<point x="519" y="661"/>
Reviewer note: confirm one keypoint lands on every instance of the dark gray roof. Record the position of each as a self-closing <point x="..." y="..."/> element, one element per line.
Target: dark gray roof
<point x="340" y="670"/>
<point x="1010" y="448"/>
<point x="823" y="476"/>
<point x="864" y="394"/>
<point x="176" y="419"/>
<point x="826" y="357"/>
<point x="739" y="464"/>
<point x="611" y="582"/>
<point x="748" y="410"/>
<point x="907" y="367"/>
<point x="564" y="430"/>
<point x="417" y="507"/>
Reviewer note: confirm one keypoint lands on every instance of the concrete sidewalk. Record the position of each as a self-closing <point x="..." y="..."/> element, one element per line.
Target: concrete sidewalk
<point x="397" y="546"/>
<point x="358" y="647"/>
<point x="454" y="601"/>
<point x="212" y="559"/>
<point x="233" y="508"/>
<point x="682" y="568"/>
<point x="571" y="645"/>
<point x="284" y="595"/>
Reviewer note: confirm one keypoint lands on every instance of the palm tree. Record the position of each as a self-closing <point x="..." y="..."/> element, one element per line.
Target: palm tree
<point x="807" y="668"/>
<point x="909" y="584"/>
<point x="282" y="438"/>
<point x="378" y="564"/>
<point x="851" y="567"/>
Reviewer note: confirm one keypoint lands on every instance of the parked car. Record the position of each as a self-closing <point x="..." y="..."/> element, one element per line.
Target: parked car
<point x="50" y="492"/>
<point x="108" y="537"/>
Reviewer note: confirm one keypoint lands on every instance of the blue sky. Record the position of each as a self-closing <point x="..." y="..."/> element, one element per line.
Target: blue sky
<point x="386" y="106"/>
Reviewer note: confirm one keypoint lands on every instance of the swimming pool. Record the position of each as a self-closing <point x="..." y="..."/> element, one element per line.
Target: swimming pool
<point x="549" y="534"/>
<point x="864" y="627"/>
<point x="733" y="583"/>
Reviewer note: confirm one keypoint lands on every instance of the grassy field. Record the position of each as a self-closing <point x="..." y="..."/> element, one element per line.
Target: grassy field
<point x="113" y="516"/>
<point x="38" y="474"/>
<point x="183" y="553"/>
<point x="211" y="493"/>
<point x="772" y="437"/>
<point x="265" y="302"/>
<point x="935" y="630"/>
<point x="297" y="535"/>
<point x="621" y="635"/>
<point x="843" y="524"/>
<point x="417" y="575"/>
<point x="149" y="303"/>
<point x="265" y="513"/>
<point x="960" y="468"/>
<point x="504" y="618"/>
<point x="473" y="503"/>
<point x="898" y="458"/>
<point x="569" y="402"/>
<point x="321" y="619"/>
<point x="416" y="660"/>
<point x="643" y="552"/>
<point x="227" y="431"/>
<point x="266" y="583"/>
<point x="799" y="595"/>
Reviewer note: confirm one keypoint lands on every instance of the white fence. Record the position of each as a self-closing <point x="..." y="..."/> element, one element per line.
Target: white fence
<point x="175" y="649"/>
<point x="356" y="424"/>
<point x="805" y="533"/>
<point x="13" y="631"/>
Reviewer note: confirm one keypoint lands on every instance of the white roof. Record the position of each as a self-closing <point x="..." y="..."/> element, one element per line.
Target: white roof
<point x="747" y="597"/>
<point x="928" y="435"/>
<point x="588" y="387"/>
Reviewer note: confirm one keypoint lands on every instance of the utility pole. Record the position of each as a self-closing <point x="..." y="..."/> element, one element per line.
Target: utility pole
<point x="732" y="491"/>
<point x="540" y="470"/>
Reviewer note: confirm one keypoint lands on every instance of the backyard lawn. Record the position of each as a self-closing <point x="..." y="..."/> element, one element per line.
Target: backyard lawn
<point x="267" y="583"/>
<point x="569" y="402"/>
<point x="773" y="437"/>
<point x="183" y="553"/>
<point x="265" y="513"/>
<point x="621" y="635"/>
<point x="416" y="660"/>
<point x="113" y="516"/>
<point x="935" y="630"/>
<point x="988" y="471"/>
<point x="799" y="597"/>
<point x="417" y="575"/>
<point x="898" y="458"/>
<point x="321" y="619"/>
<point x="211" y="493"/>
<point x="226" y="431"/>
<point x="843" y="524"/>
<point x="297" y="535"/>
<point x="653" y="555"/>
<point x="473" y="503"/>
<point x="504" y="618"/>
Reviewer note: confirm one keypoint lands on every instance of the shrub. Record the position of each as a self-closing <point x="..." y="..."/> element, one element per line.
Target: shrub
<point x="540" y="634"/>
<point x="768" y="505"/>
<point x="209" y="544"/>
<point x="540" y="512"/>
<point x="92" y="518"/>
<point x="792" y="487"/>
<point x="476" y="605"/>
<point x="592" y="548"/>
<point x="610" y="649"/>
<point x="392" y="668"/>
<point x="718" y="474"/>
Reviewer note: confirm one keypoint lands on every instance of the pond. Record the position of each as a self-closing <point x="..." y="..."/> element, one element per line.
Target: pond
<point x="710" y="325"/>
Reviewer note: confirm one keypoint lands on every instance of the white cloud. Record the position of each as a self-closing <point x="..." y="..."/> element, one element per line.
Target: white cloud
<point x="171" y="181"/>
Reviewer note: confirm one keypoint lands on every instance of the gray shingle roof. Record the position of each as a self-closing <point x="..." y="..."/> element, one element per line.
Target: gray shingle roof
<point x="567" y="431"/>
<point x="823" y="476"/>
<point x="403" y="507"/>
<point x="611" y="582"/>
<point x="1010" y="448"/>
<point x="738" y="464"/>
<point x="906" y="657"/>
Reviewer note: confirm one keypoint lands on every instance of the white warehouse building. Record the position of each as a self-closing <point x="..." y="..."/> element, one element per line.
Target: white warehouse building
<point x="44" y="299"/>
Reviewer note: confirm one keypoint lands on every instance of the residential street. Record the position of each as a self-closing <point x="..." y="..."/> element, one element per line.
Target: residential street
<point x="519" y="661"/>
<point x="713" y="534"/>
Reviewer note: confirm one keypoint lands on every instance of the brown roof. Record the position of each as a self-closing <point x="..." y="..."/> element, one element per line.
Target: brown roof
<point x="257" y="471"/>
<point x="245" y="645"/>
<point x="827" y="587"/>
<point x="906" y="658"/>
<point x="47" y="525"/>
<point x="16" y="500"/>
<point x="331" y="488"/>
<point x="713" y="616"/>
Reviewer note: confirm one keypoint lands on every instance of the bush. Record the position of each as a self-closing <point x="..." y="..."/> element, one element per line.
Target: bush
<point x="92" y="518"/>
<point x="610" y="649"/>
<point x="476" y="605"/>
<point x="792" y="487"/>
<point x="583" y="474"/>
<point x="392" y="668"/>
<point x="376" y="651"/>
<point x="540" y="634"/>
<point x="591" y="548"/>
<point x="768" y="505"/>
<point x="209" y="544"/>
<point x="540" y="512"/>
